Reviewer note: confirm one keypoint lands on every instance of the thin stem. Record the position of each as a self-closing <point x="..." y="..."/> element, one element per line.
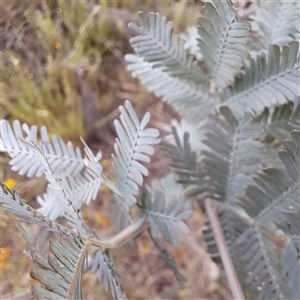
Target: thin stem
<point x="122" y="237"/>
<point x="241" y="214"/>
<point x="233" y="281"/>
<point x="103" y="121"/>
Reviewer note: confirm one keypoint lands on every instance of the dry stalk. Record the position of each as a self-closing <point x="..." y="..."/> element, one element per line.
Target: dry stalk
<point x="233" y="281"/>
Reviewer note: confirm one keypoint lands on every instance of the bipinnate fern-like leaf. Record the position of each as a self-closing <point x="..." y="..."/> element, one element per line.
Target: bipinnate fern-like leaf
<point x="171" y="189"/>
<point x="273" y="191"/>
<point x="167" y="184"/>
<point x="184" y="160"/>
<point x="61" y="273"/>
<point x="222" y="37"/>
<point x="189" y="171"/>
<point x="290" y="260"/>
<point x="233" y="155"/>
<point x="290" y="156"/>
<point x="108" y="274"/>
<point x="274" y="196"/>
<point x="190" y="41"/>
<point x="56" y="193"/>
<point x="120" y="213"/>
<point x="167" y="216"/>
<point x="79" y="189"/>
<point x="187" y="98"/>
<point x="260" y="255"/>
<point x="276" y="23"/>
<point x="168" y="259"/>
<point x="12" y="203"/>
<point x="34" y="242"/>
<point x="82" y="188"/>
<point x="272" y="199"/>
<point x="194" y="130"/>
<point x="233" y="158"/>
<point x="279" y="122"/>
<point x="62" y="157"/>
<point x="266" y="201"/>
<point x="58" y="280"/>
<point x="290" y="224"/>
<point x="270" y="80"/>
<point x="156" y="43"/>
<point x="81" y="177"/>
<point x="133" y="146"/>
<point x="290" y="265"/>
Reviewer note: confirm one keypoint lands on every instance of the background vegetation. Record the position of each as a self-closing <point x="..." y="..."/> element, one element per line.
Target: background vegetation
<point x="62" y="66"/>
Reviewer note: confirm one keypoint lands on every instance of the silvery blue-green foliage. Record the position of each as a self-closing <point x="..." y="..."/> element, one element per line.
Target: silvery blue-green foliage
<point x="272" y="198"/>
<point x="132" y="146"/>
<point x="65" y="195"/>
<point x="239" y="100"/>
<point x="32" y="243"/>
<point x="232" y="228"/>
<point x="279" y="122"/>
<point x="195" y="133"/>
<point x="164" y="206"/>
<point x="155" y="43"/>
<point x="269" y="79"/>
<point x="120" y="212"/>
<point x="277" y="23"/>
<point x="81" y="188"/>
<point x="61" y="279"/>
<point x="191" y="43"/>
<point x="185" y="162"/>
<point x="272" y="193"/>
<point x="80" y="176"/>
<point x="187" y="98"/>
<point x="164" y="218"/>
<point x="262" y="200"/>
<point x="62" y="157"/>
<point x="262" y="264"/>
<point x="166" y="68"/>
<point x="240" y="116"/>
<point x="61" y="273"/>
<point x="12" y="202"/>
<point x="58" y="195"/>
<point x="107" y="273"/>
<point x="70" y="187"/>
<point x="290" y="264"/>
<point x="221" y="41"/>
<point x="234" y="156"/>
<point x="58" y="280"/>
<point x="290" y="260"/>
<point x="169" y="260"/>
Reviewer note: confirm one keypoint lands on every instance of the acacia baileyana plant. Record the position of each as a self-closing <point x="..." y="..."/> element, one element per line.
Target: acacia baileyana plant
<point x="235" y="83"/>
